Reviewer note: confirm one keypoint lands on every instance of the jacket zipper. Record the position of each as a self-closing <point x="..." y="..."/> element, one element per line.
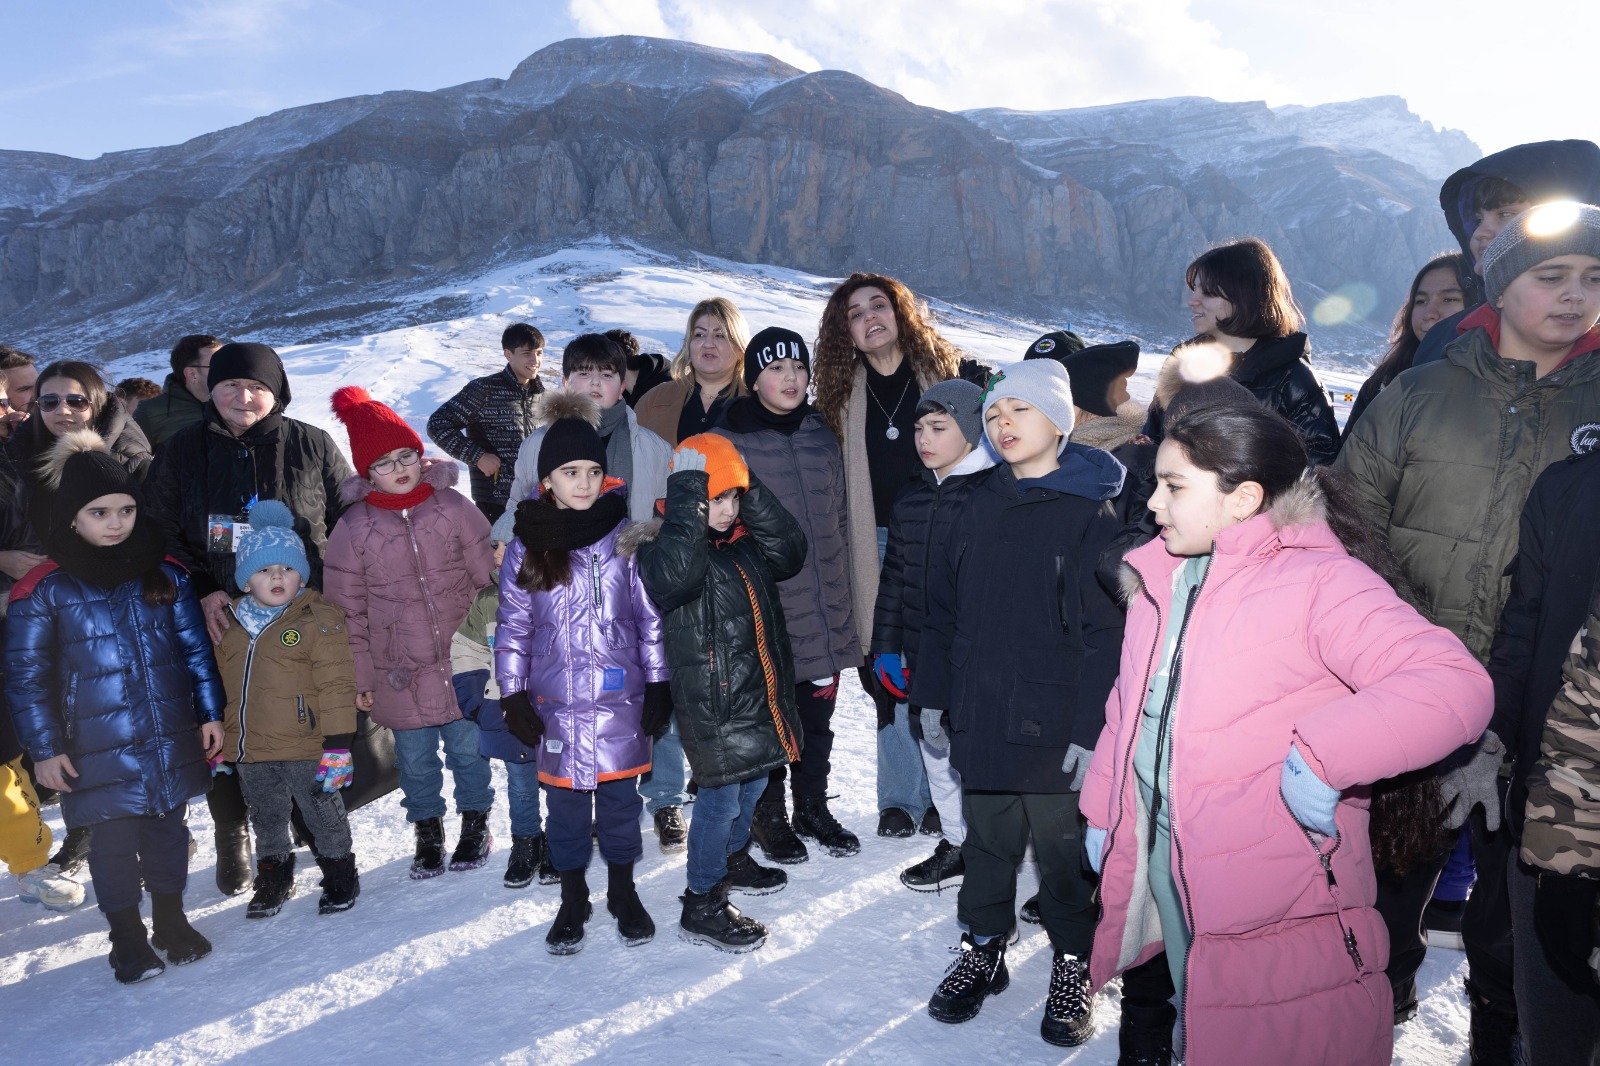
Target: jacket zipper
<point x="1326" y="861"/>
<point x="416" y="554"/>
<point x="1172" y="821"/>
<point x="594" y="574"/>
<point x="244" y="692"/>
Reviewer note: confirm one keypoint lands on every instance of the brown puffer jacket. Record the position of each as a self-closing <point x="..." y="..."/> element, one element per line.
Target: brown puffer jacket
<point x="406" y="580"/>
<point x="290" y="687"/>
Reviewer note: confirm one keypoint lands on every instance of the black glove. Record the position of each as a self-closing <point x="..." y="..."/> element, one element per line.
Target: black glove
<point x="881" y="699"/>
<point x="657" y="716"/>
<point x="1563" y="918"/>
<point x="523" y="721"/>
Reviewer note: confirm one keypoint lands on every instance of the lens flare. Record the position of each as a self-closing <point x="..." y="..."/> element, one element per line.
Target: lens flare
<point x="1547" y="219"/>
<point x="1346" y="304"/>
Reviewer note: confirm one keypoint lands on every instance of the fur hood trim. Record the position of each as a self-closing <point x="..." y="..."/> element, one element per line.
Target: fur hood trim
<point x="637" y="536"/>
<point x="552" y="406"/>
<point x="66" y="446"/>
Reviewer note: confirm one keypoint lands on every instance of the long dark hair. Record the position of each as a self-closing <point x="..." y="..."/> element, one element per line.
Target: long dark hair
<point x="1403" y="342"/>
<point x="544" y="569"/>
<point x="1241" y="442"/>
<point x="1248" y="276"/>
<point x="83" y="374"/>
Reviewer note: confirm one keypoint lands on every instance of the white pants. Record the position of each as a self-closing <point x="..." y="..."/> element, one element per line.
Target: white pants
<point x="944" y="785"/>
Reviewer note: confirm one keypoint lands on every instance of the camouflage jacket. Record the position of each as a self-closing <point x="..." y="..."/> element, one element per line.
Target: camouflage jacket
<point x="1562" y="829"/>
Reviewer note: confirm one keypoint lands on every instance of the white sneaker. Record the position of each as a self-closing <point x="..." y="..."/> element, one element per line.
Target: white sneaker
<point x="50" y="888"/>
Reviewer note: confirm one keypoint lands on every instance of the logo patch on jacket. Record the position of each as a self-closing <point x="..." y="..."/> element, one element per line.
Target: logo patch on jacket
<point x="1585" y="438"/>
<point x="1031" y="728"/>
<point x="290" y="637"/>
<point x="611" y="679"/>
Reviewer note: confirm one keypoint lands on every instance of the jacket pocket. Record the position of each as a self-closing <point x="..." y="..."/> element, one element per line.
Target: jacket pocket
<point x="1042" y="700"/>
<point x="1069" y="602"/>
<point x="306" y="716"/>
<point x="542" y="641"/>
<point x="622" y="633"/>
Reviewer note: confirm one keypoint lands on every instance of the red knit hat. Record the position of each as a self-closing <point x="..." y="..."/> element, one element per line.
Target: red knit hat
<point x="724" y="465"/>
<point x="374" y="428"/>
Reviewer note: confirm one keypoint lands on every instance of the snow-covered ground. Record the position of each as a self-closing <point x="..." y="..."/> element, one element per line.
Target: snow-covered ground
<point x="454" y="969"/>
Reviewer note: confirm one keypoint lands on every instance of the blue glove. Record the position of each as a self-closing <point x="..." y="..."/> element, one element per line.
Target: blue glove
<point x="1094" y="846"/>
<point x="892" y="675"/>
<point x="1311" y="800"/>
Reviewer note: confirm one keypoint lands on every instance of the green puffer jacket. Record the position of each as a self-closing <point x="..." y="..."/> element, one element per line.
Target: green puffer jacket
<point x="727" y="649"/>
<point x="1445" y="458"/>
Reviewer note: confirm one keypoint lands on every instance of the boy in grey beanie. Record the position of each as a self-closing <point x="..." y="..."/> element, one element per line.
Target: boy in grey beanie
<point x="1544" y="232"/>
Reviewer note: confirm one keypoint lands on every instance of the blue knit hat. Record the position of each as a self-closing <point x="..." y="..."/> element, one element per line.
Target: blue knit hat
<point x="271" y="541"/>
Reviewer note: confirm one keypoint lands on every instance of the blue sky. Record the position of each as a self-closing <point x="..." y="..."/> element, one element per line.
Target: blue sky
<point x="84" y="77"/>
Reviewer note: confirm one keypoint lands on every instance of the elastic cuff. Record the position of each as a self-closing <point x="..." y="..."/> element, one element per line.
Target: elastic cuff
<point x="338" y="742"/>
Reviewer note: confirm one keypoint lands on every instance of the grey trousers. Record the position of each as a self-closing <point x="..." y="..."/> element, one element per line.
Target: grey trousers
<point x="270" y="788"/>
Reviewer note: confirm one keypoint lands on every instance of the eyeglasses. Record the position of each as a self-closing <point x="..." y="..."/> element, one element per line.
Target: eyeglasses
<point x="73" y="401"/>
<point x="199" y="366"/>
<point x="409" y="457"/>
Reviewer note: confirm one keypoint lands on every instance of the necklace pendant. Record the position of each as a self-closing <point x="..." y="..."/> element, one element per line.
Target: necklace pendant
<point x="892" y="433"/>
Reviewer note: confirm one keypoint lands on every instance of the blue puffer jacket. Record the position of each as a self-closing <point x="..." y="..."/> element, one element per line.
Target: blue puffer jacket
<point x="118" y="685"/>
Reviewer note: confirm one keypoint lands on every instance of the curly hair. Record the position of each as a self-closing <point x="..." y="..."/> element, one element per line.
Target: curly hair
<point x="833" y="366"/>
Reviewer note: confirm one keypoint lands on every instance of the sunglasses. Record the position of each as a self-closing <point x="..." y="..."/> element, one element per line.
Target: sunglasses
<point x="405" y="458"/>
<point x="73" y="402"/>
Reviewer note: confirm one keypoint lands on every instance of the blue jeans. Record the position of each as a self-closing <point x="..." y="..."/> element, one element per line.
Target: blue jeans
<point x="416" y="751"/>
<point x="667" y="783"/>
<point x="610" y="812"/>
<point x="902" y="779"/>
<point x="721" y="826"/>
<point x="522" y="793"/>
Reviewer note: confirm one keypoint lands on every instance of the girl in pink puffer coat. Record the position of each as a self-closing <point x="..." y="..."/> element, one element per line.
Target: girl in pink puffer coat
<point x="1267" y="677"/>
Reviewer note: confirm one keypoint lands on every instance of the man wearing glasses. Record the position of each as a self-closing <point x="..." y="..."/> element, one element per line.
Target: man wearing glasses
<point x="183" y="397"/>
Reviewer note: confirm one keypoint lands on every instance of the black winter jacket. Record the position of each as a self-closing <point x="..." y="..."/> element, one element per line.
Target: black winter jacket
<point x="1022" y="640"/>
<point x="204" y="470"/>
<point x="652" y="370"/>
<point x="1278" y="373"/>
<point x="160" y="417"/>
<point x="805" y="470"/>
<point x="16" y="532"/>
<point x="1552" y="579"/>
<point x="489" y="414"/>
<point x="731" y="669"/>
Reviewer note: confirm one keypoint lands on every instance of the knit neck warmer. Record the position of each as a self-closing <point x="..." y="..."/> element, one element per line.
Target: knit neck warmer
<point x="109" y="567"/>
<point x="254" y="615"/>
<point x="748" y="414"/>
<point x="543" y="527"/>
<point x="390" y="501"/>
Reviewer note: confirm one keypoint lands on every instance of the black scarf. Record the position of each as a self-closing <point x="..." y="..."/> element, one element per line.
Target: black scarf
<point x="107" y="568"/>
<point x="748" y="414"/>
<point x="545" y="528"/>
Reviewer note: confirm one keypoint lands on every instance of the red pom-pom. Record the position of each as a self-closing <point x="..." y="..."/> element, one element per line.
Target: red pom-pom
<point x="347" y="399"/>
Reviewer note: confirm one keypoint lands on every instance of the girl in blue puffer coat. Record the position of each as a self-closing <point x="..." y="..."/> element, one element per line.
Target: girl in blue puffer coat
<point x="115" y="694"/>
<point x="582" y="674"/>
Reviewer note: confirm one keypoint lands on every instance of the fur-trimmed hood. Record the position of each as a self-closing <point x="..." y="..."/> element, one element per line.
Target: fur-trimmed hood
<point x="551" y="407"/>
<point x="54" y="460"/>
<point x="636" y="535"/>
<point x="440" y="473"/>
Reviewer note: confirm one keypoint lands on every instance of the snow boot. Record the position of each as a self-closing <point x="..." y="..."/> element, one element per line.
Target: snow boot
<point x="773" y="834"/>
<point x="171" y="932"/>
<point x="472" y="850"/>
<point x="526" y="853"/>
<point x="813" y="819"/>
<point x="1493" y="1038"/>
<point x="233" y="858"/>
<point x="1030" y="910"/>
<point x="671" y="833"/>
<point x="548" y="874"/>
<point x="50" y="888"/>
<point x="980" y="972"/>
<point x="131" y="959"/>
<point x="932" y="825"/>
<point x="750" y="877"/>
<point x="945" y="868"/>
<point x="566" y="932"/>
<point x="73" y="852"/>
<point x="429" y="859"/>
<point x="634" y="924"/>
<point x="274" y="885"/>
<point x="1069" y="1008"/>
<point x="708" y="918"/>
<point x="1144" y="1037"/>
<point x="341" y="884"/>
<point x="896" y="823"/>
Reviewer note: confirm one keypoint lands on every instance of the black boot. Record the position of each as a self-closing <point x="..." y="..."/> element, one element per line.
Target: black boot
<point x="1069" y="1008"/>
<point x="548" y="874"/>
<point x="472" y="850"/>
<point x="813" y="819"/>
<point x="274" y="884"/>
<point x="750" y="877"/>
<point x="1144" y="1037"/>
<point x="771" y="831"/>
<point x="73" y="852"/>
<point x="945" y="868"/>
<point x="671" y="833"/>
<point x="524" y="862"/>
<point x="1493" y="1036"/>
<point x="980" y="972"/>
<point x="895" y="823"/>
<point x="171" y="932"/>
<point x="131" y="958"/>
<point x="233" y="858"/>
<point x="566" y="932"/>
<point x="429" y="859"/>
<point x="708" y="918"/>
<point x="622" y="900"/>
<point x="932" y="825"/>
<point x="341" y="884"/>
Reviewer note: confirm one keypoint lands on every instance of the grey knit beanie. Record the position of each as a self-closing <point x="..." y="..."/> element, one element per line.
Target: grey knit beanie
<point x="1539" y="233"/>
<point x="1041" y="382"/>
<point x="959" y="399"/>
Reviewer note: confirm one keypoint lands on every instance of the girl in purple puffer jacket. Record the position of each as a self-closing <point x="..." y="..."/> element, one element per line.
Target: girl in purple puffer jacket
<point x="582" y="673"/>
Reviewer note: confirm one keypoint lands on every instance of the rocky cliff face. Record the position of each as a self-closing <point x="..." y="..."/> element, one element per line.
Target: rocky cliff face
<point x="680" y="147"/>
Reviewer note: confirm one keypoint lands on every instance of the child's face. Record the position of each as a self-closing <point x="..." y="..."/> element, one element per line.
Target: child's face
<point x="940" y="442"/>
<point x="1486" y="226"/>
<point x="1189" y="505"/>
<point x="1551" y="305"/>
<point x="1438" y="296"/>
<point x="274" y="586"/>
<point x="396" y="472"/>
<point x="724" y="510"/>
<point x="575" y="486"/>
<point x="781" y="387"/>
<point x="1021" y="433"/>
<point x="601" y="384"/>
<point x="524" y="361"/>
<point x="106" y="520"/>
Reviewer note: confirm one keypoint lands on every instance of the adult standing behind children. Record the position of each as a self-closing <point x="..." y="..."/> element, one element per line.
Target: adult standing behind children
<point x="485" y="423"/>
<point x="183" y="397"/>
<point x="705" y="374"/>
<point x="877" y="350"/>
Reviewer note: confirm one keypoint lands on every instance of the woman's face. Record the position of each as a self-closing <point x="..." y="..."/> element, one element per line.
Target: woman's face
<point x="1206" y="311"/>
<point x="1189" y="505"/>
<point x="242" y="402"/>
<point x="712" y="352"/>
<point x="1551" y="305"/>
<point x="64" y="405"/>
<point x="1438" y="297"/>
<point x="872" y="323"/>
<point x="106" y="520"/>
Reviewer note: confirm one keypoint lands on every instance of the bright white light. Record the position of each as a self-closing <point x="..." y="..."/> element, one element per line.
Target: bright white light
<point x="1547" y="219"/>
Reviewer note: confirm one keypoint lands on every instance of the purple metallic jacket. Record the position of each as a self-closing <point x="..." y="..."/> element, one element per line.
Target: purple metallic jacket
<point x="584" y="653"/>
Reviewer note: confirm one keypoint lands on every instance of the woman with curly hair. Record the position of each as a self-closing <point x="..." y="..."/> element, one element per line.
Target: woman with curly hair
<point x="877" y="350"/>
<point x="705" y="374"/>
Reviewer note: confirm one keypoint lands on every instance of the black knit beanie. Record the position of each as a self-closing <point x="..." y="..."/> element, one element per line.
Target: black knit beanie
<point x="569" y="440"/>
<point x="257" y="362"/>
<point x="1094" y="368"/>
<point x="80" y="469"/>
<point x="770" y="345"/>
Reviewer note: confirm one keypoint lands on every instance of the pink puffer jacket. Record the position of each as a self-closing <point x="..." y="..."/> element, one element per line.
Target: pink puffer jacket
<point x="1290" y="639"/>
<point x="406" y="580"/>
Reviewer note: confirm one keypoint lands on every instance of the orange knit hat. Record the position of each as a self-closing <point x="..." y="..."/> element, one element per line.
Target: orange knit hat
<point x="724" y="464"/>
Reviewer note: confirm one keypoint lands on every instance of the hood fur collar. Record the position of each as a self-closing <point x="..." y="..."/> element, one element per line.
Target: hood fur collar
<point x="637" y="535"/>
<point x="552" y="406"/>
<point x="440" y="473"/>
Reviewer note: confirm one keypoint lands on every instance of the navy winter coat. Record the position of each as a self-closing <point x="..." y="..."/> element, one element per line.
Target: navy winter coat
<point x="119" y="685"/>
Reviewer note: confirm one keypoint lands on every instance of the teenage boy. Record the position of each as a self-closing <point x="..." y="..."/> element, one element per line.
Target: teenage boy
<point x="182" y="401"/>
<point x="485" y="423"/>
